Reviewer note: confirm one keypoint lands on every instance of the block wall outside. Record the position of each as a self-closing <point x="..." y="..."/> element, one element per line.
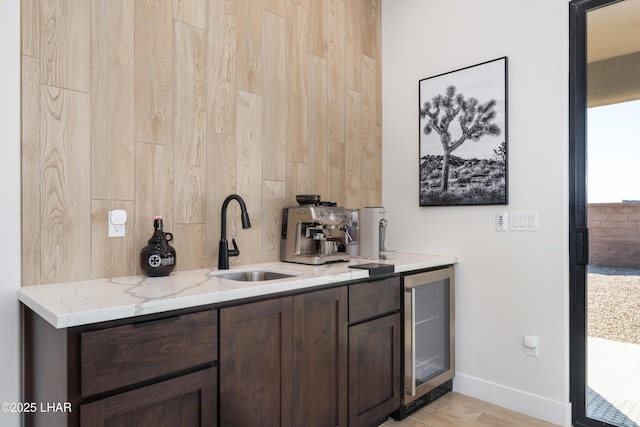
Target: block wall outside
<point x="614" y="234"/>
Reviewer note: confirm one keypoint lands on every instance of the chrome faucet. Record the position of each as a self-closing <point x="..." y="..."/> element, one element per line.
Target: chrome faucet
<point x="224" y="252"/>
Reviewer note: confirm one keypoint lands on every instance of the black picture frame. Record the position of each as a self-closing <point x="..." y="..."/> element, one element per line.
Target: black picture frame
<point x="463" y="138"/>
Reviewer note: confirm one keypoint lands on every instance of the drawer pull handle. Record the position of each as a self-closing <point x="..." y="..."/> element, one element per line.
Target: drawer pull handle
<point x="155" y="321"/>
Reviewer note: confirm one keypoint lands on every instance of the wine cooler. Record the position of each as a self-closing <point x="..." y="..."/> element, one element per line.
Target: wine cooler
<point x="429" y="344"/>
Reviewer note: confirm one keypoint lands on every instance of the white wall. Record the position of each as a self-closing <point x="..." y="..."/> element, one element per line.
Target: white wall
<point x="508" y="283"/>
<point x="10" y="212"/>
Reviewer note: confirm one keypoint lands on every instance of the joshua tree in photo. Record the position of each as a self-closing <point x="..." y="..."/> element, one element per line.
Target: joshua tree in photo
<point x="500" y="153"/>
<point x="475" y="121"/>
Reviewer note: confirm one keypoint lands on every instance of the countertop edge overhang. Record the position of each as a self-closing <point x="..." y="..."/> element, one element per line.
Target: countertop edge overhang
<point x="70" y="304"/>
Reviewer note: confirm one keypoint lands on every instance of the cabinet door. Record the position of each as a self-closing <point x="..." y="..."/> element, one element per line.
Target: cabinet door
<point x="374" y="370"/>
<point x="256" y="363"/>
<point x="186" y="401"/>
<point x="320" y="358"/>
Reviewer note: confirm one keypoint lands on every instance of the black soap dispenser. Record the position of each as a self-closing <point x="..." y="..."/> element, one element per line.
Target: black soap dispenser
<point x="158" y="258"/>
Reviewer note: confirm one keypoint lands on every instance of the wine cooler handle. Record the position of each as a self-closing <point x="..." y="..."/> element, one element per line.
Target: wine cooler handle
<point x="410" y="342"/>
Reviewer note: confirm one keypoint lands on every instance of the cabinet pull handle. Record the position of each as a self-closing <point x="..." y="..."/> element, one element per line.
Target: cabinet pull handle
<point x="155" y="321"/>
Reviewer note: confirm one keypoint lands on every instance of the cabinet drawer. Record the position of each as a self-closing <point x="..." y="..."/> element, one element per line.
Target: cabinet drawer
<point x="188" y="400"/>
<point x="125" y="355"/>
<point x="369" y="299"/>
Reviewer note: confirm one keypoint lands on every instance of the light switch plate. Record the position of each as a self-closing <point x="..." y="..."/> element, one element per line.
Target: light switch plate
<point x="523" y="221"/>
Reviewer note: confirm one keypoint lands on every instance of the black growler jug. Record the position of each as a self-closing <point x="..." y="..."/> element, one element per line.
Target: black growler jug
<point x="158" y="258"/>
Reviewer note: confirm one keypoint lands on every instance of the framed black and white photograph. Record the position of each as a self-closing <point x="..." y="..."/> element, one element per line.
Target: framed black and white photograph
<point x="463" y="136"/>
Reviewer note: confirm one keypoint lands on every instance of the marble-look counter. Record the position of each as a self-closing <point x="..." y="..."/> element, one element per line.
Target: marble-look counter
<point x="84" y="302"/>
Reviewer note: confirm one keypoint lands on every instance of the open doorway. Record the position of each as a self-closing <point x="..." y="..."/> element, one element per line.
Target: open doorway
<point x="605" y="214"/>
<point x="613" y="277"/>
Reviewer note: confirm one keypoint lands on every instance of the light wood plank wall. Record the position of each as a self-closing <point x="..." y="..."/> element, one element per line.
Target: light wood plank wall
<point x="165" y="107"/>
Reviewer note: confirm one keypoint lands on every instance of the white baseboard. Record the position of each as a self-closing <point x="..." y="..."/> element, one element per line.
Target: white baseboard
<point x="516" y="400"/>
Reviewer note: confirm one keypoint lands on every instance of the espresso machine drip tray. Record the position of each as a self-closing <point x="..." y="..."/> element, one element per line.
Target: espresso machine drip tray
<point x="317" y="259"/>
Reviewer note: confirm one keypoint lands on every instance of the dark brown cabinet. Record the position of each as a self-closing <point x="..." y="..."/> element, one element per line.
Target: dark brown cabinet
<point x="320" y="358"/>
<point x="186" y="401"/>
<point x="283" y="361"/>
<point x="328" y="357"/>
<point x="116" y="357"/>
<point x="256" y="363"/>
<point x="159" y="371"/>
<point x="374" y="351"/>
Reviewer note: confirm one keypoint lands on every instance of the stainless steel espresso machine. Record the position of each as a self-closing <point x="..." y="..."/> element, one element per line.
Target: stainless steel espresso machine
<point x="312" y="234"/>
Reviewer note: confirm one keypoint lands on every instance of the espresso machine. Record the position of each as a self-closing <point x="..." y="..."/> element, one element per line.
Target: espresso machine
<point x="313" y="234"/>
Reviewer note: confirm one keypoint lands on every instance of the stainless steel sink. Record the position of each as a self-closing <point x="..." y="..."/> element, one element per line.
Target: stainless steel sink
<point x="254" y="275"/>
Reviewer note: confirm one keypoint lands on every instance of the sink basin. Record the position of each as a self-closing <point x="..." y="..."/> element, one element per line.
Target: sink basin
<point x="254" y="275"/>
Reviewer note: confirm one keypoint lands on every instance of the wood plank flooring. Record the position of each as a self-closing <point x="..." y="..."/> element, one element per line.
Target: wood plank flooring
<point x="457" y="410"/>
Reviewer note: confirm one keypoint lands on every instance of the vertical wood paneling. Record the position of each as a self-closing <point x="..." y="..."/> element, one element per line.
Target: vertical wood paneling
<point x="370" y="15"/>
<point x="249" y="45"/>
<point x="371" y="44"/>
<point x="192" y="12"/>
<point x="153" y="77"/>
<point x="274" y="199"/>
<point x="353" y="149"/>
<point x="65" y="226"/>
<point x="221" y="177"/>
<point x="371" y="197"/>
<point x="337" y="174"/>
<point x="189" y="150"/>
<point x="318" y="141"/>
<point x="318" y="28"/>
<point x="275" y="98"/>
<point x="30" y="162"/>
<point x="65" y="44"/>
<point x="153" y="190"/>
<point x="112" y="256"/>
<point x="190" y="244"/>
<point x="249" y="174"/>
<point x="352" y="45"/>
<point x="30" y="27"/>
<point x="221" y="66"/>
<point x="279" y="7"/>
<point x="379" y="165"/>
<point x="336" y="70"/>
<point x="112" y="109"/>
<point x="379" y="95"/>
<point x="297" y="89"/>
<point x="264" y="98"/>
<point x="378" y="57"/>
<point x="370" y="173"/>
<point x="296" y="181"/>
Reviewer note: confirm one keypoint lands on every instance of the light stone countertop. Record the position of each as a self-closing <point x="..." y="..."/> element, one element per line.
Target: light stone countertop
<point x="71" y="304"/>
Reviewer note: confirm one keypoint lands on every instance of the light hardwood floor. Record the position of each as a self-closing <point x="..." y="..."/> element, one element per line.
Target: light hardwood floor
<point x="457" y="410"/>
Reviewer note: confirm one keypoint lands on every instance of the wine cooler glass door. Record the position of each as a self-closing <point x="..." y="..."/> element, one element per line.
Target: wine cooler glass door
<point x="429" y="326"/>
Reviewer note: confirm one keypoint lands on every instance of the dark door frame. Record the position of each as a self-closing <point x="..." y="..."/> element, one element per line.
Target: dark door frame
<point x="578" y="231"/>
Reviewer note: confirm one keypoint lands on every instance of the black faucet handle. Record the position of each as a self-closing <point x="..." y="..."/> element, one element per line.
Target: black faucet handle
<point x="235" y="251"/>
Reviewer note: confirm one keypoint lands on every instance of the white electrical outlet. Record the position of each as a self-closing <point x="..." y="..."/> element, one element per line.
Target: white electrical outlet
<point x="502" y="221"/>
<point x="117" y="220"/>
<point x="530" y="345"/>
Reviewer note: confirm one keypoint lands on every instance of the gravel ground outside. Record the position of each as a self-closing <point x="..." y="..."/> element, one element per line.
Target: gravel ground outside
<point x="614" y="304"/>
